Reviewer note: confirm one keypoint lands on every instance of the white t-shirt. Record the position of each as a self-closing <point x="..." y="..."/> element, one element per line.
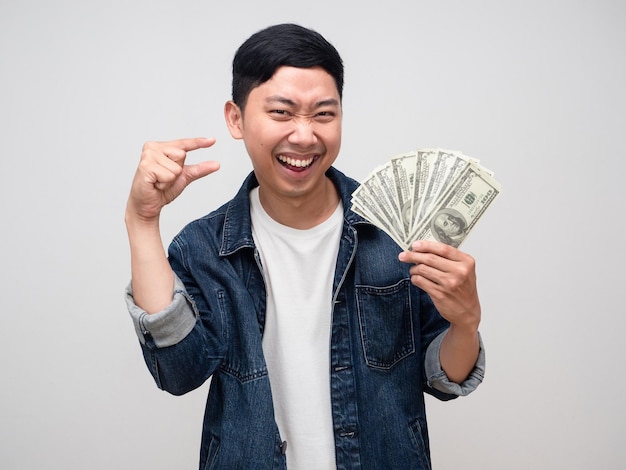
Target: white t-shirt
<point x="298" y="267"/>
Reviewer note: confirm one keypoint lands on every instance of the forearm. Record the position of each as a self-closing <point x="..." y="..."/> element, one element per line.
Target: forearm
<point x="152" y="276"/>
<point x="459" y="352"/>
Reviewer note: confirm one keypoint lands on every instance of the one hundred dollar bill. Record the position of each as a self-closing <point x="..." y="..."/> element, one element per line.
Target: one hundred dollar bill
<point x="458" y="210"/>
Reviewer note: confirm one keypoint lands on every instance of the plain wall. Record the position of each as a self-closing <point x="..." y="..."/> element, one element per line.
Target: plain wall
<point x="534" y="89"/>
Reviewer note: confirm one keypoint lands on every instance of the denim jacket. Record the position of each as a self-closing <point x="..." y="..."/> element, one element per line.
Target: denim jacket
<point x="384" y="349"/>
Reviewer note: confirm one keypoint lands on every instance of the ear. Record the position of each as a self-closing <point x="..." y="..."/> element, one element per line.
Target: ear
<point x="234" y="119"/>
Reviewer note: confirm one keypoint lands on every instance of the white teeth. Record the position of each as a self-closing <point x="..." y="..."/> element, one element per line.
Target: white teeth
<point x="295" y="162"/>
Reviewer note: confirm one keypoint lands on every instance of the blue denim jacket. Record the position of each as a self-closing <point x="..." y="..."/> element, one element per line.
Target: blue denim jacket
<point x="384" y="350"/>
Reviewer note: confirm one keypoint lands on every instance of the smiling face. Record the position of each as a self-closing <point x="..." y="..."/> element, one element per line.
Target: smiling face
<point x="291" y="127"/>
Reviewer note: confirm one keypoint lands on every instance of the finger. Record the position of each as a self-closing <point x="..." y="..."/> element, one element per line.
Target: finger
<point x="156" y="162"/>
<point x="426" y="284"/>
<point x="430" y="273"/>
<point x="173" y="154"/>
<point x="188" y="145"/>
<point x="201" y="170"/>
<point x="176" y="150"/>
<point x="437" y="248"/>
<point x="163" y="177"/>
<point x="430" y="259"/>
<point x="162" y="154"/>
<point x="190" y="173"/>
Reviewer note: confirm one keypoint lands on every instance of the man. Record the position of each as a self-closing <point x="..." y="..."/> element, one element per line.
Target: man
<point x="449" y="227"/>
<point x="319" y="338"/>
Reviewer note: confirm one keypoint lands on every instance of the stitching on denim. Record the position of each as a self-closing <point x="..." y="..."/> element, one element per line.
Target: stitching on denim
<point x="243" y="377"/>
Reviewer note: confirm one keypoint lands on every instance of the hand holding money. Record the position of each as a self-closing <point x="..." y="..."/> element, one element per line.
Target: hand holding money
<point x="427" y="194"/>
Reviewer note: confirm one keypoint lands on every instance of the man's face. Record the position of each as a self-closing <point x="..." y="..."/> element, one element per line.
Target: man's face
<point x="448" y="224"/>
<point x="291" y="126"/>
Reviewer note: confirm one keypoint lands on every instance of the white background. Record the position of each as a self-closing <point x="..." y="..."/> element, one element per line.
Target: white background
<point x="535" y="89"/>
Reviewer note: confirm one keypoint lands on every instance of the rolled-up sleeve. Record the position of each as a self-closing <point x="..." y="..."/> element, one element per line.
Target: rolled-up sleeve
<point x="169" y="326"/>
<point x="437" y="378"/>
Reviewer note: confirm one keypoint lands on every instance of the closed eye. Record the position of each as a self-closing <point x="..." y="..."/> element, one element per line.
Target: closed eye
<point x="325" y="116"/>
<point x="282" y="114"/>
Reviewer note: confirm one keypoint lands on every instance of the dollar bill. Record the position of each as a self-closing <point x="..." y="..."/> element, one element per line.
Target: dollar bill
<point x="426" y="161"/>
<point x="403" y="170"/>
<point x="458" y="210"/>
<point x="426" y="194"/>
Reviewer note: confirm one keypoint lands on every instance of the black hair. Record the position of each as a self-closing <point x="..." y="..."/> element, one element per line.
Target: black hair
<point x="292" y="45"/>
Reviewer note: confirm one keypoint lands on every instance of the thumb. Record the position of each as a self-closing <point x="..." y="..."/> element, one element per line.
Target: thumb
<point x="200" y="170"/>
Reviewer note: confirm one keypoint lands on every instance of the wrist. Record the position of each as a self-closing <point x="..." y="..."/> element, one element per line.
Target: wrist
<point x="135" y="221"/>
<point x="468" y="328"/>
<point x="144" y="236"/>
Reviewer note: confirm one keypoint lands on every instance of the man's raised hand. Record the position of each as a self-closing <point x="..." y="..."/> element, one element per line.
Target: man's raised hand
<point x="162" y="175"/>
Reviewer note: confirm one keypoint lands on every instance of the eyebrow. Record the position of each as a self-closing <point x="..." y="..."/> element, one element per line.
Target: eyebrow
<point x="288" y="102"/>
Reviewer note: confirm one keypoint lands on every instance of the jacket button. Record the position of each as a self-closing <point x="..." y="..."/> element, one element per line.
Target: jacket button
<point x="283" y="447"/>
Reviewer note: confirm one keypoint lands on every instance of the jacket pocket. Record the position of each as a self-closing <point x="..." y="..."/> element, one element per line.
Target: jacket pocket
<point x="386" y="323"/>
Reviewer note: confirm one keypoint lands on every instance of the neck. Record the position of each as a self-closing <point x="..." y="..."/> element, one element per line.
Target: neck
<point x="301" y="212"/>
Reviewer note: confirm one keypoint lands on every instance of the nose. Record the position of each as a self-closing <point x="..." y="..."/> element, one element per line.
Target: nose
<point x="303" y="133"/>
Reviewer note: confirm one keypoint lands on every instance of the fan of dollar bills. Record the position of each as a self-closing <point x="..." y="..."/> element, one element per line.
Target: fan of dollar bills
<point x="426" y="194"/>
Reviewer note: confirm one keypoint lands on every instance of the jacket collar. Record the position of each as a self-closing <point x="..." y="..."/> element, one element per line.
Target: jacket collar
<point x="237" y="231"/>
